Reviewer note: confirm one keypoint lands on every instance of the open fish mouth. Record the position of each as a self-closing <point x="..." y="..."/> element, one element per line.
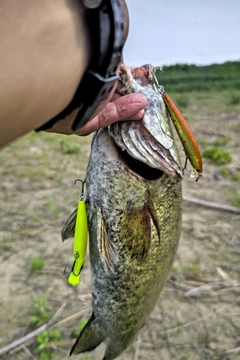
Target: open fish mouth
<point x="140" y="168"/>
<point x="140" y="151"/>
<point x="147" y="147"/>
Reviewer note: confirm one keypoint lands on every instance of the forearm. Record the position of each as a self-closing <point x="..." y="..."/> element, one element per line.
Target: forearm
<point x="43" y="55"/>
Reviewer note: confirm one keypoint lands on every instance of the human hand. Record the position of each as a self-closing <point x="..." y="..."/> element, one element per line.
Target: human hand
<point x="127" y="107"/>
<point x="114" y="108"/>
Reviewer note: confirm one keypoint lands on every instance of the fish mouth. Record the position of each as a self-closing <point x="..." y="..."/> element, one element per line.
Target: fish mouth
<point x="138" y="167"/>
<point x="142" y="153"/>
<point x="147" y="147"/>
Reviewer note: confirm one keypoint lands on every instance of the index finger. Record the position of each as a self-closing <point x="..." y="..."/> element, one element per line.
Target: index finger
<point x="128" y="107"/>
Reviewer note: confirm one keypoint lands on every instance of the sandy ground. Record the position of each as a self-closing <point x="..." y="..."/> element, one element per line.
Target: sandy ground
<point x="197" y="315"/>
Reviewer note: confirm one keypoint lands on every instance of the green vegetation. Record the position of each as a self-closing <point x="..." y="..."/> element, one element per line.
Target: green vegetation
<point x="69" y="147"/>
<point x="213" y="255"/>
<point x="217" y="77"/>
<point x="6" y="247"/>
<point x="216" y="155"/>
<point x="235" y="177"/>
<point x="182" y="100"/>
<point x="236" y="127"/>
<point x="52" y="205"/>
<point x="204" y="338"/>
<point x="234" y="99"/>
<point x="193" y="270"/>
<point x="221" y="141"/>
<point x="44" y="341"/>
<point x="236" y="199"/>
<point x="184" y="357"/>
<point x="39" y="314"/>
<point x="37" y="264"/>
<point x="224" y="172"/>
<point x="228" y="174"/>
<point x="175" y="269"/>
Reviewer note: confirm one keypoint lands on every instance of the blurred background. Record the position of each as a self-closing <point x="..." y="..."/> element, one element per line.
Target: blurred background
<point x="194" y="32"/>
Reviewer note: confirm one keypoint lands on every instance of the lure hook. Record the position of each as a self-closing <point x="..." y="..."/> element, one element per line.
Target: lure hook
<point x="185" y="165"/>
<point x="156" y="85"/>
<point x="73" y="265"/>
<point x="82" y="191"/>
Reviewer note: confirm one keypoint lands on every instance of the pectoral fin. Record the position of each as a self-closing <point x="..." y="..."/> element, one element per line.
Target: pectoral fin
<point x="154" y="217"/>
<point x="89" y="338"/>
<point x="107" y="249"/>
<point x="137" y="229"/>
<point x="69" y="226"/>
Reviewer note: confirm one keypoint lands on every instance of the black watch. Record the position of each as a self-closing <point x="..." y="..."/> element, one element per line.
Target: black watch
<point x="105" y="22"/>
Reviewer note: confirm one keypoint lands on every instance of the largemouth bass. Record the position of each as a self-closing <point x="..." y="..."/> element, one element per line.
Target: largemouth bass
<point x="133" y="205"/>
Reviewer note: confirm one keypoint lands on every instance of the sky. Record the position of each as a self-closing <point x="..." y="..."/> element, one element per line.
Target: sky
<point x="198" y="32"/>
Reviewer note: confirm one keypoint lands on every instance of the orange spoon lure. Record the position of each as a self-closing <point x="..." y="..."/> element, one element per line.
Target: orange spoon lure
<point x="186" y="136"/>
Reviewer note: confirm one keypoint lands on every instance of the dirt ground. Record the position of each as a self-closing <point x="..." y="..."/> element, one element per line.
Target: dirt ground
<point x="198" y="313"/>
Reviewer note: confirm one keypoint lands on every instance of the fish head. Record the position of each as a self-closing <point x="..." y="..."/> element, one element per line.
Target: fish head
<point x="149" y="141"/>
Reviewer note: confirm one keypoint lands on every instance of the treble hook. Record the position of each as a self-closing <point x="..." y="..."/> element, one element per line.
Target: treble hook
<point x="73" y="265"/>
<point x="156" y="85"/>
<point x="83" y="183"/>
<point x="185" y="165"/>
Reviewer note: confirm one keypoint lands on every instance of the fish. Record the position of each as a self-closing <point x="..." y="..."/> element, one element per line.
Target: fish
<point x="134" y="211"/>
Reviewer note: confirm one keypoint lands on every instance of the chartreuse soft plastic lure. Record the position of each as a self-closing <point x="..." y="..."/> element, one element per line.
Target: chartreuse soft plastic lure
<point x="80" y="240"/>
<point x="186" y="136"/>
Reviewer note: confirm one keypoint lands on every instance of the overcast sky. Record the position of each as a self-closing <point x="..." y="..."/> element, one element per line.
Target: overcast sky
<point x="187" y="31"/>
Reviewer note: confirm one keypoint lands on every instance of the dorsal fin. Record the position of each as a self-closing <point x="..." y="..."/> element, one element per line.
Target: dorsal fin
<point x="89" y="338"/>
<point x="107" y="248"/>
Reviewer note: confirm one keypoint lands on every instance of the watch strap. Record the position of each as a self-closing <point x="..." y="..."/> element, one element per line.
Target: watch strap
<point x="106" y="30"/>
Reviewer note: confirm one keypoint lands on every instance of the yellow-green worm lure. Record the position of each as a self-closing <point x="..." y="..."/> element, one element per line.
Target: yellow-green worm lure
<point x="80" y="240"/>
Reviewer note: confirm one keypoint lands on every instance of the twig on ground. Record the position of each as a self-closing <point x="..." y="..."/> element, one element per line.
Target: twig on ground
<point x="58" y="324"/>
<point x="31" y="335"/>
<point x="222" y="273"/>
<point x="191" y="322"/>
<point x="28" y="352"/>
<point x="215" y="286"/>
<point x="72" y="317"/>
<point x="178" y="285"/>
<point x="233" y="351"/>
<point x="137" y="348"/>
<point x="233" y="243"/>
<point x="212" y="205"/>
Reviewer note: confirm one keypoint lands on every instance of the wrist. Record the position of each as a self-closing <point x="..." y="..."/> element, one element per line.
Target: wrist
<point x="44" y="54"/>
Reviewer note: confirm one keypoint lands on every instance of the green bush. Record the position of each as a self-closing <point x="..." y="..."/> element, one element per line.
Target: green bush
<point x="39" y="314"/>
<point x="182" y="100"/>
<point x="37" y="264"/>
<point x="234" y="99"/>
<point x="217" y="77"/>
<point x="43" y="340"/>
<point x="69" y="148"/>
<point x="216" y="155"/>
<point x="236" y="200"/>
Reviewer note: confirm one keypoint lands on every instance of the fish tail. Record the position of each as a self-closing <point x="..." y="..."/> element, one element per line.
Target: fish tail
<point x="89" y="338"/>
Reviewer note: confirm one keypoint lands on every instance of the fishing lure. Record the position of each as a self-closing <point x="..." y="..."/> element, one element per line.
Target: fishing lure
<point x="188" y="141"/>
<point x="80" y="240"/>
